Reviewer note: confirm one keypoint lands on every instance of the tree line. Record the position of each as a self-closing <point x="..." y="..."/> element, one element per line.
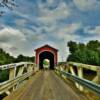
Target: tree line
<point x="88" y="53"/>
<point x="6" y="58"/>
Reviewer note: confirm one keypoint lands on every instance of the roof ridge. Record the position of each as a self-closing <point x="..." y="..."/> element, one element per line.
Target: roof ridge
<point x="45" y="46"/>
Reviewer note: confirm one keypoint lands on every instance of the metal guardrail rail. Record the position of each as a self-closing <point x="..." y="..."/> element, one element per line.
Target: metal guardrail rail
<point x="8" y="66"/>
<point x="16" y="75"/>
<point x="91" y="67"/>
<point x="10" y="83"/>
<point x="90" y="85"/>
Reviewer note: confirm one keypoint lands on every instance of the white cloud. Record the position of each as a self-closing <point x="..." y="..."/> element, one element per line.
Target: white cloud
<point x="14" y="41"/>
<point x="66" y="34"/>
<point x="50" y="2"/>
<point x="11" y="35"/>
<point x="85" y="5"/>
<point x="63" y="35"/>
<point x="91" y="31"/>
<point x="68" y="31"/>
<point x="17" y="42"/>
<point x="21" y="22"/>
<point x="49" y="16"/>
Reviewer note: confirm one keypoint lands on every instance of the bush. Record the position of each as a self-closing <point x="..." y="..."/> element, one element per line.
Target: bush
<point x="4" y="75"/>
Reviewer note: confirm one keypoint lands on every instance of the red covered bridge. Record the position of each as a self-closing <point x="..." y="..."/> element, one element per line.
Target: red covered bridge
<point x="46" y="52"/>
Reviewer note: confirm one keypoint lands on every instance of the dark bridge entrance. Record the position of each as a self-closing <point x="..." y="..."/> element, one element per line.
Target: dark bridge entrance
<point x="46" y="55"/>
<point x="46" y="52"/>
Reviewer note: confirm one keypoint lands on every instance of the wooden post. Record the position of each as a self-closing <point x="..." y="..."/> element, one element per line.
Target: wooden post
<point x="98" y="74"/>
<point x="73" y="73"/>
<point x="80" y="74"/>
<point x="72" y="70"/>
<point x="20" y="72"/>
<point x="96" y="79"/>
<point x="11" y="73"/>
<point x="66" y="68"/>
<point x="36" y="68"/>
<point x="30" y="68"/>
<point x="8" y="92"/>
<point x="63" y="69"/>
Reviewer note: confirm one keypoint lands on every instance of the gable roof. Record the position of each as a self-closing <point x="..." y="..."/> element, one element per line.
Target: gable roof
<point x="46" y="46"/>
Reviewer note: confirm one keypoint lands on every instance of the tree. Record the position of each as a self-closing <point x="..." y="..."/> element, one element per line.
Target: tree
<point x="22" y="58"/>
<point x="88" y="54"/>
<point x="5" y="58"/>
<point x="93" y="45"/>
<point x="72" y="46"/>
<point x="81" y="46"/>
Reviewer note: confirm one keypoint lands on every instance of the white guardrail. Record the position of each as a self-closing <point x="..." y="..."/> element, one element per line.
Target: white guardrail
<point x="8" y="66"/>
<point x="14" y="81"/>
<point x="11" y="83"/>
<point x="90" y="85"/>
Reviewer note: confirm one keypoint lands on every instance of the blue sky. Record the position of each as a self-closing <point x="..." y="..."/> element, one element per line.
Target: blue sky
<point x="55" y="22"/>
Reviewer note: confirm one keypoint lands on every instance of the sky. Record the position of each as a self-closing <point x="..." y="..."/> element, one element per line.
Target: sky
<point x="35" y="23"/>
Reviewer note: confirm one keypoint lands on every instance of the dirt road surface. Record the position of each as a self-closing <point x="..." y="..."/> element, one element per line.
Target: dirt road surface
<point x="45" y="85"/>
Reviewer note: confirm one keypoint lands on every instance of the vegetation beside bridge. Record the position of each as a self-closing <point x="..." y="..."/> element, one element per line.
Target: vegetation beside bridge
<point x="85" y="53"/>
<point x="6" y="58"/>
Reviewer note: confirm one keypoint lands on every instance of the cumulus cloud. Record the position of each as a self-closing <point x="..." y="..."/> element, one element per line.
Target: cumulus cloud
<point x="49" y="16"/>
<point x="19" y="41"/>
<point x="65" y="32"/>
<point x="15" y="41"/>
<point x="50" y="2"/>
<point x="68" y="30"/>
<point x="93" y="31"/>
<point x="10" y="34"/>
<point x="85" y="5"/>
<point x="62" y="35"/>
<point x="21" y="22"/>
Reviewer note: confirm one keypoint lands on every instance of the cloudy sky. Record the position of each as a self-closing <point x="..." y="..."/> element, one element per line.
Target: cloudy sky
<point x="55" y="22"/>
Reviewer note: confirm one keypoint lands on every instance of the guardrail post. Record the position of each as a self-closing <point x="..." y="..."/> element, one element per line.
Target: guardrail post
<point x="30" y="68"/>
<point x="20" y="71"/>
<point x="63" y="69"/>
<point x="98" y="74"/>
<point x="96" y="79"/>
<point x="80" y="74"/>
<point x="8" y="92"/>
<point x="67" y="68"/>
<point x="72" y="70"/>
<point x="57" y="70"/>
<point x="36" y="68"/>
<point x="12" y="73"/>
<point x="73" y="73"/>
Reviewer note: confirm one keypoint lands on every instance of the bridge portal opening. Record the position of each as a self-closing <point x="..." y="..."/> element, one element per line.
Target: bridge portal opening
<point x="46" y="55"/>
<point x="46" y="64"/>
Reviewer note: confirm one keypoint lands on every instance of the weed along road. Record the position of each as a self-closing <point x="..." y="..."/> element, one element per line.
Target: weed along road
<point x="45" y="85"/>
